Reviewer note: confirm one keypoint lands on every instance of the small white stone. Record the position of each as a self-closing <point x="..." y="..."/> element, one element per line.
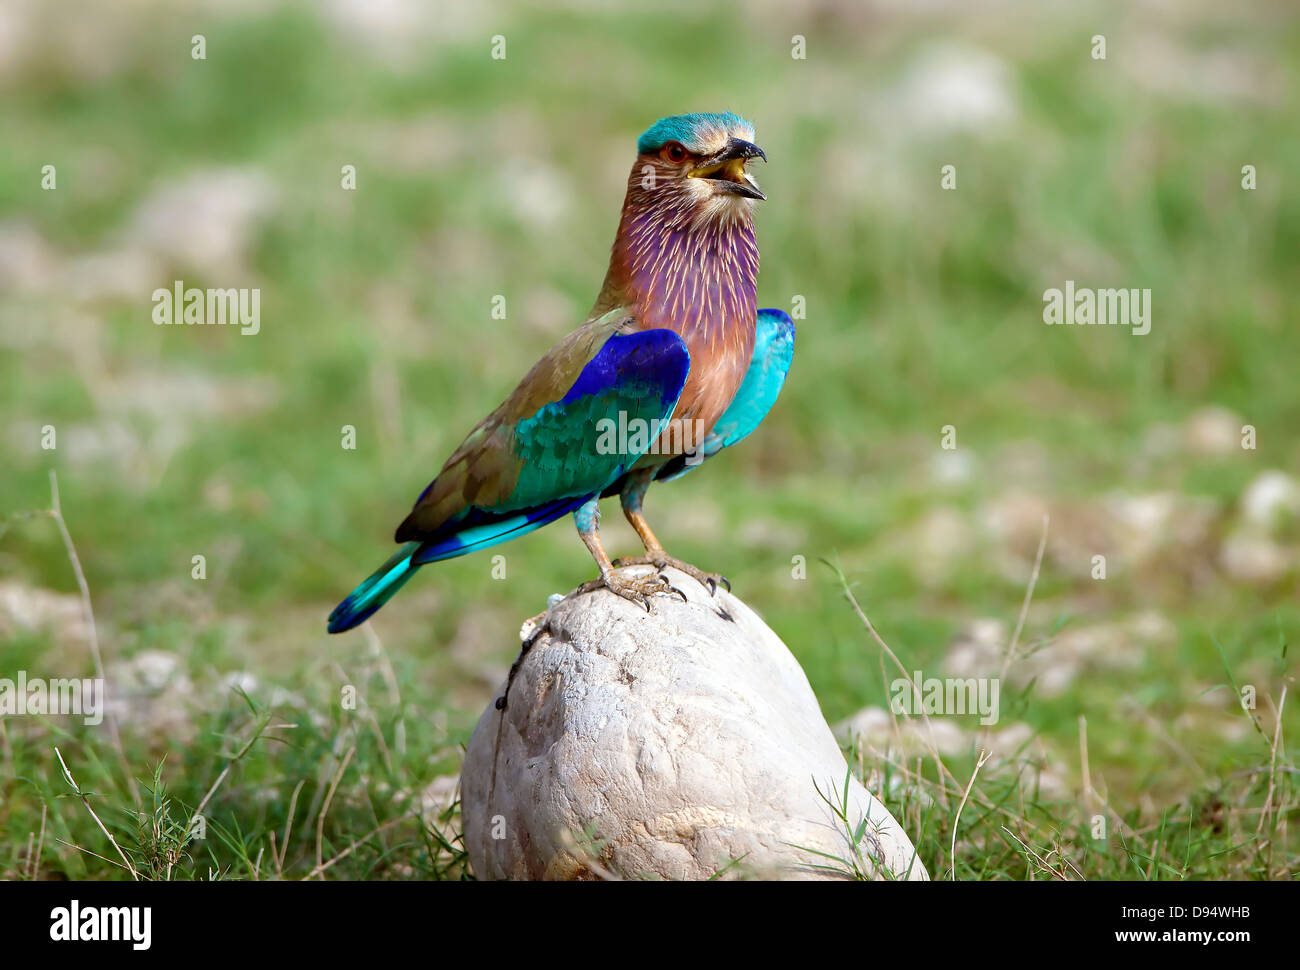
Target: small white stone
<point x="1251" y="558"/>
<point x="1269" y="499"/>
<point x="1213" y="431"/>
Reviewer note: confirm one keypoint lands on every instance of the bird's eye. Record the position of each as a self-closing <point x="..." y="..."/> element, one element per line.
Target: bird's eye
<point x="674" y="152"/>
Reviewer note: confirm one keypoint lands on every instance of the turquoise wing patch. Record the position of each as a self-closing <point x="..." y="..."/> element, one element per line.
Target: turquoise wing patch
<point x="580" y="443"/>
<point x="773" y="352"/>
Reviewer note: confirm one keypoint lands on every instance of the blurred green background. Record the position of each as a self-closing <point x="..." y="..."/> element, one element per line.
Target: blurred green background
<point x="479" y="177"/>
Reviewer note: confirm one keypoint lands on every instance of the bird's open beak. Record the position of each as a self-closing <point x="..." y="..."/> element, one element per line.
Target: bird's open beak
<point x="727" y="169"/>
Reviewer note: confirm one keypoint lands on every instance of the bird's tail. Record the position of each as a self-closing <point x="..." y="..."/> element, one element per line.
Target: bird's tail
<point x="469" y="532"/>
<point x="376" y="590"/>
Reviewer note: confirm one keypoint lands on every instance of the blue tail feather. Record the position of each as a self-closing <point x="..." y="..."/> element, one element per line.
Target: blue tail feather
<point x="477" y="530"/>
<point x="376" y="590"/>
<point x="480" y="529"/>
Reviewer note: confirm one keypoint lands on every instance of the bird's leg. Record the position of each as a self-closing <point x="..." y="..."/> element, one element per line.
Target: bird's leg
<point x="638" y="590"/>
<point x="632" y="496"/>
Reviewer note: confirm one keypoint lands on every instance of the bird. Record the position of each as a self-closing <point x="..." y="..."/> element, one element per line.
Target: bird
<point x="673" y="364"/>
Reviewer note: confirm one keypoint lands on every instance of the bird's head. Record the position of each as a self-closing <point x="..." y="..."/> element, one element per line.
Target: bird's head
<point x="700" y="157"/>
<point x="687" y="228"/>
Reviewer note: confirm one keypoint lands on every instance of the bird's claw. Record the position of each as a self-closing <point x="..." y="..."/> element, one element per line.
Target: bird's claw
<point x="711" y="581"/>
<point x="714" y="579"/>
<point x="673" y="588"/>
<point x="637" y="589"/>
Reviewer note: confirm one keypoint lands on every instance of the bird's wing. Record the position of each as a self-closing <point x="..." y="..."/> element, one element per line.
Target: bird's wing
<point x="773" y="351"/>
<point x="546" y="449"/>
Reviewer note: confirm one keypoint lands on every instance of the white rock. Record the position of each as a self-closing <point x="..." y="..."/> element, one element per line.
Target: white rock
<point x="438" y="796"/>
<point x="152" y="693"/>
<point x="874" y="728"/>
<point x="1146" y="524"/>
<point x="937" y="543"/>
<point x="1251" y="558"/>
<point x="27" y="261"/>
<point x="29" y="608"/>
<point x="664" y="746"/>
<point x="979" y="650"/>
<point x="952" y="467"/>
<point x="1213" y="431"/>
<point x="1270" y="498"/>
<point x="205" y="222"/>
<point x="952" y="88"/>
<point x="871" y="726"/>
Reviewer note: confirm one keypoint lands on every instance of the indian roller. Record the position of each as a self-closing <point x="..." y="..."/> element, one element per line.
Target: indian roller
<point x="673" y="364"/>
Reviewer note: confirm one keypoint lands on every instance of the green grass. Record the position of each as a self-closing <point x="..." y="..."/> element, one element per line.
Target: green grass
<point x="479" y="178"/>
